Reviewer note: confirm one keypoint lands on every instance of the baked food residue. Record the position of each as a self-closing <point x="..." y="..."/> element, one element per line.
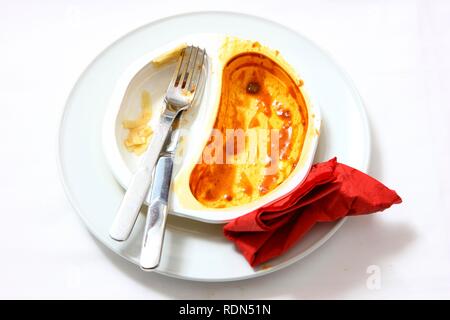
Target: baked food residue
<point x="139" y="132"/>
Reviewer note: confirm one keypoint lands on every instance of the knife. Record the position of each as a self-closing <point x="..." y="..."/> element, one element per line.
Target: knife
<point x="157" y="198"/>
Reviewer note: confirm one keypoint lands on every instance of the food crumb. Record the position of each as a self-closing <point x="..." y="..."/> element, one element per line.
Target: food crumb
<point x="253" y="87"/>
<point x="139" y="131"/>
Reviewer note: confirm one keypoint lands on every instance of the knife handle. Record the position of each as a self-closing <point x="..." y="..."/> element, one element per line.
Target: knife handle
<point x="140" y="182"/>
<point x="155" y="223"/>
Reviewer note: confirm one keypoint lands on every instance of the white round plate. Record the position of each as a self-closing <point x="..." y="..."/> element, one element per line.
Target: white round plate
<point x="195" y="250"/>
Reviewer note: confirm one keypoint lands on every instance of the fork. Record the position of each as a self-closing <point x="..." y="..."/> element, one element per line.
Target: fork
<point x="180" y="94"/>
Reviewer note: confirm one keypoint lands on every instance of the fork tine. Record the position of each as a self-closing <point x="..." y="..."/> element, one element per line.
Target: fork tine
<point x="189" y="77"/>
<point x="191" y="68"/>
<point x="184" y="66"/>
<point x="197" y="72"/>
<point x="178" y="67"/>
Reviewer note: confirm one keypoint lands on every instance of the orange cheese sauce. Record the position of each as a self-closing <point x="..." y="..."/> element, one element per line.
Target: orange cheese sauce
<point x="262" y="100"/>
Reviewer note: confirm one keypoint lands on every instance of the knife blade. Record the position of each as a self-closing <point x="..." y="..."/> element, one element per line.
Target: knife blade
<point x="157" y="198"/>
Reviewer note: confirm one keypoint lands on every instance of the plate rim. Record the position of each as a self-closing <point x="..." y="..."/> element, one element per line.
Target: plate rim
<point x="257" y="273"/>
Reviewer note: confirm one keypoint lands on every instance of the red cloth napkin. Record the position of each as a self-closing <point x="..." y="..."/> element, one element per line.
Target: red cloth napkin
<point x="331" y="191"/>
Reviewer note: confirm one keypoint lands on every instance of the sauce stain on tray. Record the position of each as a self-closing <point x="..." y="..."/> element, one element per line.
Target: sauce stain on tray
<point x="262" y="120"/>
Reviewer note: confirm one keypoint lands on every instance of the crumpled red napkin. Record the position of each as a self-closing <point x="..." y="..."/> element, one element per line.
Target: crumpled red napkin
<point x="331" y="191"/>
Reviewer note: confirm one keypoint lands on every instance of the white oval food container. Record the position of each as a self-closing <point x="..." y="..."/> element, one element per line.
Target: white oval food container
<point x="148" y="73"/>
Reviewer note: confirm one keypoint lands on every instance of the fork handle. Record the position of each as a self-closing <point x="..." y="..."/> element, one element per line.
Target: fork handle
<point x="155" y="224"/>
<point x="140" y="182"/>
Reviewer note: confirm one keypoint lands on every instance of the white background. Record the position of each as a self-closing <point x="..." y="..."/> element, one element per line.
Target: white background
<point x="398" y="54"/>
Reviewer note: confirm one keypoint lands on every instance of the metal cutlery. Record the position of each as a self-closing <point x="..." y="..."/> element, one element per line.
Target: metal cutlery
<point x="183" y="88"/>
<point x="157" y="199"/>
